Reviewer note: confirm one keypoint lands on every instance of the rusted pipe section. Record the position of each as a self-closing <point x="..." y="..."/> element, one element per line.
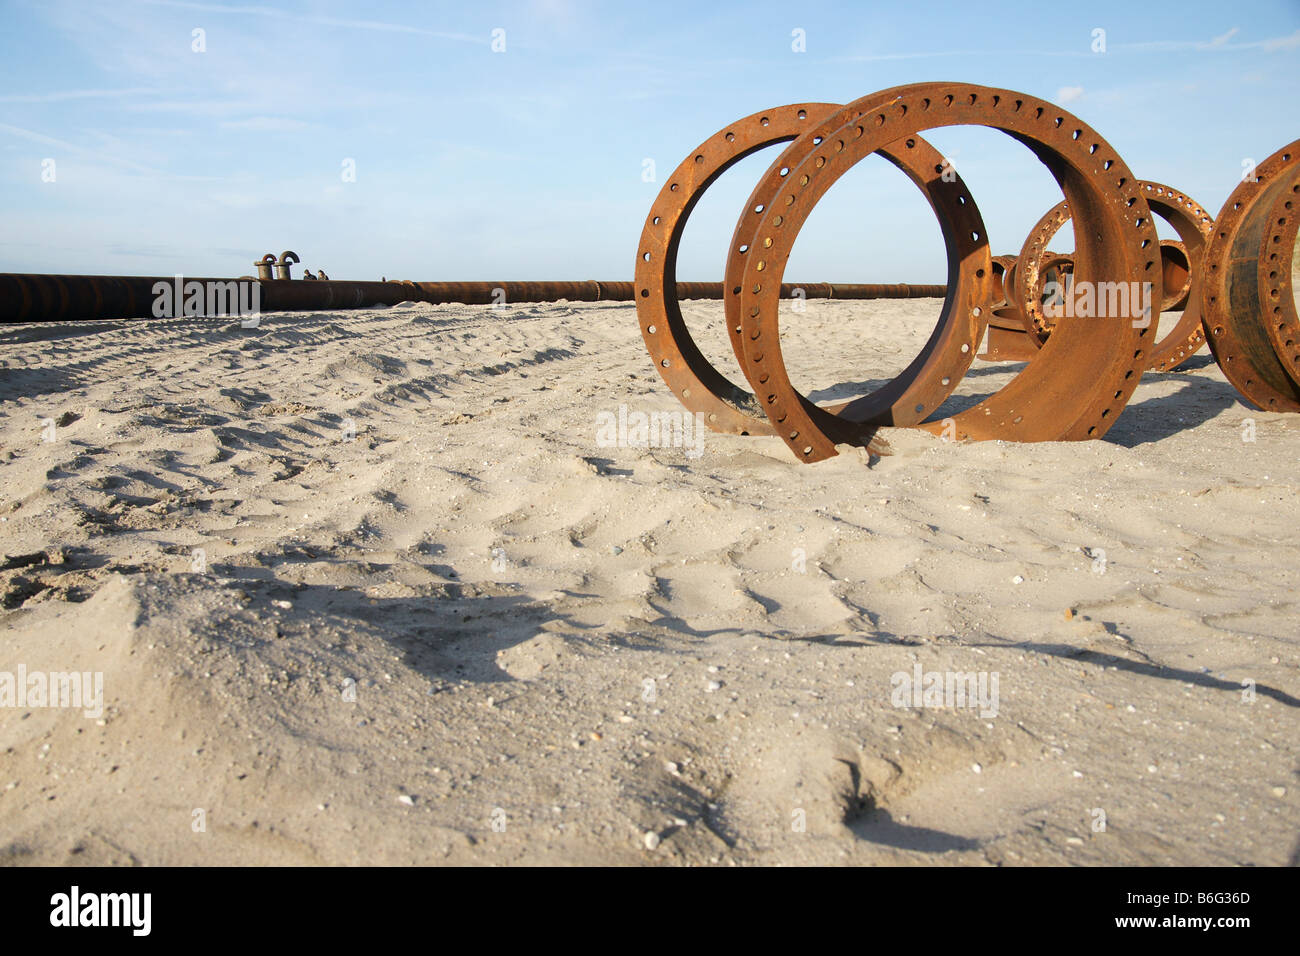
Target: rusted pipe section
<point x="1247" y="294"/>
<point x="1194" y="227"/>
<point x="62" y="298"/>
<point x="1009" y="338"/>
<point x="1002" y="266"/>
<point x="57" y="298"/>
<point x="850" y="290"/>
<point x="932" y="376"/>
<point x="703" y="388"/>
<point x="495" y="293"/>
<point x="1005" y="344"/>
<point x="1177" y="272"/>
<point x="1077" y="383"/>
<point x="1076" y="388"/>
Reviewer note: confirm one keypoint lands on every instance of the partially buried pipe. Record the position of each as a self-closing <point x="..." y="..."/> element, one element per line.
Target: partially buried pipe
<point x="62" y="298"/>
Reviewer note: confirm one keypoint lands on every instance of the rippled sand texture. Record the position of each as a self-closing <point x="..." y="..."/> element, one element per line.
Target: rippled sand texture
<point x="434" y="619"/>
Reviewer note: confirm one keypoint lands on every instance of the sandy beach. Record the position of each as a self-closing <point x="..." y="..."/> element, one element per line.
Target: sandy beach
<point x="373" y="587"/>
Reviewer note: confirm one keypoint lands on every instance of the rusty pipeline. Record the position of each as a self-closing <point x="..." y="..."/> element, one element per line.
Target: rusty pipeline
<point x="61" y="298"/>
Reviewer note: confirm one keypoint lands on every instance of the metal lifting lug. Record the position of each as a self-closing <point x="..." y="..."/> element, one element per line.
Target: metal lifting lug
<point x="287" y="260"/>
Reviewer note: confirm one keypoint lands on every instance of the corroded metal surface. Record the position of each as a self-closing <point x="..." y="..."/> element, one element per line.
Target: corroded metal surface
<point x="1195" y="228"/>
<point x="1177" y="272"/>
<point x="1009" y="345"/>
<point x="1082" y="364"/>
<point x="1001" y="266"/>
<point x="1087" y="370"/>
<point x="935" y="372"/>
<point x="697" y="383"/>
<point x="59" y="298"/>
<point x="1277" y="274"/>
<point x="1250" y="331"/>
<point x="1179" y="263"/>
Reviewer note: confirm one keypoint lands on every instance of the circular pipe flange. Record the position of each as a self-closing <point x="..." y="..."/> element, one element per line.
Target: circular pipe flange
<point x="1027" y="278"/>
<point x="941" y="364"/>
<point x="1008" y="317"/>
<point x="1177" y="272"/>
<point x="1276" y="279"/>
<point x="1087" y="371"/>
<point x="1055" y="272"/>
<point x="1238" y="308"/>
<point x="1002" y="265"/>
<point x="1006" y="314"/>
<point x="1194" y="227"/>
<point x="696" y="382"/>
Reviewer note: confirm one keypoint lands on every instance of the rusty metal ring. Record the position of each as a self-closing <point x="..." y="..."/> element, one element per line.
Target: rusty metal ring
<point x="1087" y="370"/>
<point x="1193" y="225"/>
<point x="1026" y="277"/>
<point x="1177" y="271"/>
<point x="1010" y="340"/>
<point x="697" y="383"/>
<point x="1006" y="314"/>
<point x="1001" y="266"/>
<point x="1277" y="278"/>
<point x="937" y="369"/>
<point x="1056" y="264"/>
<point x="693" y="379"/>
<point x="1236" y="308"/>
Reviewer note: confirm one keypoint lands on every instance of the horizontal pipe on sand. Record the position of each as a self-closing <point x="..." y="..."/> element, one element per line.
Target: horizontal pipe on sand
<point x="57" y="298"/>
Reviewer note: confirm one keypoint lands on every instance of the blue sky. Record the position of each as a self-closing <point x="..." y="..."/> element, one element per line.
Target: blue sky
<point x="527" y="163"/>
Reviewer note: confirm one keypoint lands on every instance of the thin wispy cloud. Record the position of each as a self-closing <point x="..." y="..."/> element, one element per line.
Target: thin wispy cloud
<point x="265" y="124"/>
<point x="1220" y="43"/>
<point x="41" y="138"/>
<point x="63" y="146"/>
<point x="196" y="108"/>
<point x="298" y="17"/>
<point x="60" y="96"/>
<point x="531" y="160"/>
<point x="941" y="54"/>
<point x="1282" y="43"/>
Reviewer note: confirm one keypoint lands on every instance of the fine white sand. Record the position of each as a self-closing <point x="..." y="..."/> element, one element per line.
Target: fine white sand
<point x="434" y="619"/>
